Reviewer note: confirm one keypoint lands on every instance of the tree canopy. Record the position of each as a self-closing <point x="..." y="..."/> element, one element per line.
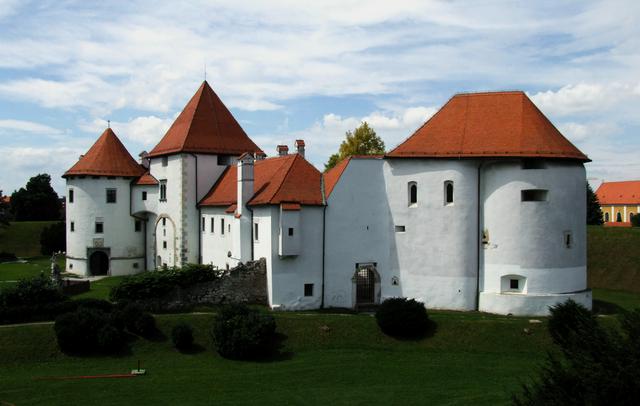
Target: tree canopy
<point x="4" y="211"/>
<point x="37" y="201"/>
<point x="362" y="141"/>
<point x="594" y="212"/>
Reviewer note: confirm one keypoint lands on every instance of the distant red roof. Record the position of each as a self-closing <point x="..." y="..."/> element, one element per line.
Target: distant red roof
<point x="494" y="124"/>
<point x="332" y="176"/>
<point x="5" y="199"/>
<point x="147" y="179"/>
<point x="107" y="157"/>
<point x="205" y="126"/>
<point x="283" y="179"/>
<point x="619" y="192"/>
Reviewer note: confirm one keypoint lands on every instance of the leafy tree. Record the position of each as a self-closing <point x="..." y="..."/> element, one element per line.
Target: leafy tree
<point x="362" y="141"/>
<point x="53" y="238"/>
<point x="596" y="365"/>
<point x="37" y="202"/>
<point x="4" y="211"/>
<point x="594" y="212"/>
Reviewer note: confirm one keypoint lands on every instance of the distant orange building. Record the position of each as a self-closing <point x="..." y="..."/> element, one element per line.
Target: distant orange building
<point x="620" y="201"/>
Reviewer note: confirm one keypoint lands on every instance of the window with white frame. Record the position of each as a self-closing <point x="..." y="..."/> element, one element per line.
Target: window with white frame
<point x="448" y="192"/>
<point x="412" y="189"/>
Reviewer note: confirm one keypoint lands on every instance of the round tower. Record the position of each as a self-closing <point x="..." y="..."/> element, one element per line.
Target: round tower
<point x="102" y="236"/>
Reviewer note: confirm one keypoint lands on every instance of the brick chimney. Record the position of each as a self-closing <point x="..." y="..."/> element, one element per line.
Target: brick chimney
<point x="300" y="147"/>
<point x="282" y="150"/>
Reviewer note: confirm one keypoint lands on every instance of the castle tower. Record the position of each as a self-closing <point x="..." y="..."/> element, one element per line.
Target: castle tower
<point x="102" y="237"/>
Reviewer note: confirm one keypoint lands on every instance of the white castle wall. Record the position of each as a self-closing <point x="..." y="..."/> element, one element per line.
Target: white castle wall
<point x="124" y="246"/>
<point x="216" y="245"/>
<point x="526" y="240"/>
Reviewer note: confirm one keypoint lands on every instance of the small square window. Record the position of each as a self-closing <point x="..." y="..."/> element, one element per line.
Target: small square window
<point x="72" y="226"/>
<point x="70" y="266"/>
<point x="400" y="229"/>
<point x="290" y="232"/>
<point x="308" y="289"/>
<point x="534" y="195"/>
<point x="135" y="265"/>
<point x="99" y="227"/>
<point x="111" y="195"/>
<point x="144" y="195"/>
<point x="138" y="226"/>
<point x="165" y="160"/>
<point x="514" y="284"/>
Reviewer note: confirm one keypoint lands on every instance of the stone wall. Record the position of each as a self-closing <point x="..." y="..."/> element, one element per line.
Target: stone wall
<point x="246" y="283"/>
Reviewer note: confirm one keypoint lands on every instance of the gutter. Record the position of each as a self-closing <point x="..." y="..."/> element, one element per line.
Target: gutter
<point x="324" y="238"/>
<point x="479" y="232"/>
<point x="199" y="214"/>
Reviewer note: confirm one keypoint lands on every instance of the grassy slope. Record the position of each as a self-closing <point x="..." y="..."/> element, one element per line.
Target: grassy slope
<point x="473" y="358"/>
<point x="614" y="258"/>
<point x="22" y="238"/>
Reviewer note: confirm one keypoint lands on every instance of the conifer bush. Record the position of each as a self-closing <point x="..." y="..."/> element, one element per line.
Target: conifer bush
<point x="403" y="318"/>
<point x="242" y="333"/>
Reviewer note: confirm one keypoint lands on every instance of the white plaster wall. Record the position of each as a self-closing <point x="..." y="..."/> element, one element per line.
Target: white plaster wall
<point x="215" y="246"/>
<point x="527" y="238"/>
<point x="263" y="247"/>
<point x="125" y="246"/>
<point x="436" y="257"/>
<point x="289" y="244"/>
<point x="140" y="206"/>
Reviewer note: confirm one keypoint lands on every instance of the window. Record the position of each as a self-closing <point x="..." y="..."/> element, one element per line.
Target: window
<point x="413" y="194"/>
<point x="606" y="217"/>
<point x="619" y="217"/>
<point x="308" y="289"/>
<point x="70" y="195"/>
<point x="111" y="195"/>
<point x="400" y="229"/>
<point x="534" y="195"/>
<point x="164" y="232"/>
<point x="99" y="227"/>
<point x="72" y="226"/>
<point x="138" y="226"/>
<point x="163" y="190"/>
<point x="514" y="284"/>
<point x="203" y="223"/>
<point x="144" y="195"/>
<point x="222" y="226"/>
<point x="229" y="227"/>
<point x="212" y="223"/>
<point x="630" y="216"/>
<point x="165" y="160"/>
<point x="255" y="231"/>
<point x="533" y="164"/>
<point x="70" y="266"/>
<point x="568" y="239"/>
<point x="224" y="160"/>
<point x="448" y="192"/>
<point x="290" y="231"/>
<point x="164" y="244"/>
<point x="164" y="221"/>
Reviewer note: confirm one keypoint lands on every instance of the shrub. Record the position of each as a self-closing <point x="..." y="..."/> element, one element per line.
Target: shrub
<point x="145" y="325"/>
<point x="598" y="366"/>
<point x="98" y="304"/>
<point x="88" y="331"/>
<point x="182" y="336"/>
<point x="111" y="339"/>
<point x="31" y="292"/>
<point x="159" y="284"/>
<point x="242" y="333"/>
<point x="401" y="317"/>
<point x="53" y="238"/>
<point x="7" y="257"/>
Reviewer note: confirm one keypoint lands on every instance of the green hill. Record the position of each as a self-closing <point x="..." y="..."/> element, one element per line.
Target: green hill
<point x="614" y="258"/>
<point x="22" y="238"/>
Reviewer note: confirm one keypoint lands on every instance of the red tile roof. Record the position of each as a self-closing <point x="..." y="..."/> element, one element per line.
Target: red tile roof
<point x="285" y="179"/>
<point x="332" y="176"/>
<point x="107" y="157"/>
<point x="147" y="179"/>
<point x="5" y="199"/>
<point x="495" y="124"/>
<point x="205" y="126"/>
<point x="619" y="192"/>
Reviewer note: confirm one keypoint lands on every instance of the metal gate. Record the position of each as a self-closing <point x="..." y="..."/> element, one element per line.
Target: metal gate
<point x="365" y="286"/>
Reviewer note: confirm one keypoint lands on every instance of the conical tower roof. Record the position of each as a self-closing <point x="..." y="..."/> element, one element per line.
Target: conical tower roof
<point x="205" y="126"/>
<point x="107" y="157"/>
<point x="493" y="124"/>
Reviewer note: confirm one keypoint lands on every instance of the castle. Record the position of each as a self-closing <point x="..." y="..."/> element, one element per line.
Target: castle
<point x="482" y="208"/>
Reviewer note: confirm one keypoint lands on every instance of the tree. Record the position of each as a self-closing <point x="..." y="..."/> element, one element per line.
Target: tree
<point x="594" y="212"/>
<point x="4" y="211"/>
<point x="37" y="202"/>
<point x="362" y="141"/>
<point x="53" y="238"/>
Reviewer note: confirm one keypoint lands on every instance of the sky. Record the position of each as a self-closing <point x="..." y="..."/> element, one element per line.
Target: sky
<point x="291" y="69"/>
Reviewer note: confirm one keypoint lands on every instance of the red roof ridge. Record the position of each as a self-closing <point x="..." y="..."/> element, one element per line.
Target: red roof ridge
<point x="330" y="181"/>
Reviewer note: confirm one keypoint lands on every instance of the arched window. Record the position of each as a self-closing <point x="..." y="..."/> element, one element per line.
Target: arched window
<point x="630" y="217"/>
<point x="413" y="194"/>
<point x="619" y="217"/>
<point x="606" y="217"/>
<point x="448" y="192"/>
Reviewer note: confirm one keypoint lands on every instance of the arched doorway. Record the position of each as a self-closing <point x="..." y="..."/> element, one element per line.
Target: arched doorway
<point x="366" y="283"/>
<point x="619" y="218"/>
<point x="99" y="263"/>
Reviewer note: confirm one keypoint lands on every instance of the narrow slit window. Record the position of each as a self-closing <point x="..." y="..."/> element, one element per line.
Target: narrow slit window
<point x="164" y="221"/>
<point x="144" y="195"/>
<point x="163" y="190"/>
<point x="72" y="226"/>
<point x="448" y="192"/>
<point x="290" y="232"/>
<point x="70" y="195"/>
<point x="165" y="160"/>
<point x="222" y="226"/>
<point x="138" y="226"/>
<point x="606" y="217"/>
<point x="255" y="231"/>
<point x="534" y="195"/>
<point x="164" y="244"/>
<point x="413" y="194"/>
<point x="203" y="223"/>
<point x="568" y="239"/>
<point x="212" y="223"/>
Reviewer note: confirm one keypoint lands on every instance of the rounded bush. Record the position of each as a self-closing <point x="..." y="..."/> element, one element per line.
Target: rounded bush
<point x="145" y="325"/>
<point x="77" y="332"/>
<point x="91" y="303"/>
<point x="182" y="336"/>
<point x="242" y="333"/>
<point x="402" y="317"/>
<point x="110" y="339"/>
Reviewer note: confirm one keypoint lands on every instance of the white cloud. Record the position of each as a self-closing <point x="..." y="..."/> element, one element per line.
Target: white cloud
<point x="26" y="126"/>
<point x="144" y="130"/>
<point x="584" y="98"/>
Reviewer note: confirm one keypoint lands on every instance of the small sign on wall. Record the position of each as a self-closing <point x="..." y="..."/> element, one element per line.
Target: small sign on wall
<point x="98" y="242"/>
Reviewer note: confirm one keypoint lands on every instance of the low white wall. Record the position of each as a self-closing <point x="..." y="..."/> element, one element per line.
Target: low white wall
<point x="529" y="305"/>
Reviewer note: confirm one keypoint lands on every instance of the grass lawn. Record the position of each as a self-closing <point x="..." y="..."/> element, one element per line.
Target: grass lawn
<point x="472" y="359"/>
<point x="13" y="271"/>
<point x="22" y="237"/>
<point x="100" y="289"/>
<point x="613" y="256"/>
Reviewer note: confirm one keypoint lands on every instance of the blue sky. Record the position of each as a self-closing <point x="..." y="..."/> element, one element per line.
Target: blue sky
<point x="312" y="70"/>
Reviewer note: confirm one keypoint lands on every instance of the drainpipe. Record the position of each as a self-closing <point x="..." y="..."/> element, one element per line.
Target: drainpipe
<point x="479" y="233"/>
<point x="324" y="237"/>
<point x="199" y="214"/>
<point x="252" y="240"/>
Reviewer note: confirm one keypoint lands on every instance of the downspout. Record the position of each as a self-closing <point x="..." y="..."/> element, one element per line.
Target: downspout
<point x="252" y="240"/>
<point x="324" y="237"/>
<point x="479" y="233"/>
<point x="199" y="214"/>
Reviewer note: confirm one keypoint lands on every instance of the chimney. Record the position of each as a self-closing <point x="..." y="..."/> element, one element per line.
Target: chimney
<point x="300" y="147"/>
<point x="245" y="181"/>
<point x="260" y="156"/>
<point x="282" y="150"/>
<point x="144" y="161"/>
